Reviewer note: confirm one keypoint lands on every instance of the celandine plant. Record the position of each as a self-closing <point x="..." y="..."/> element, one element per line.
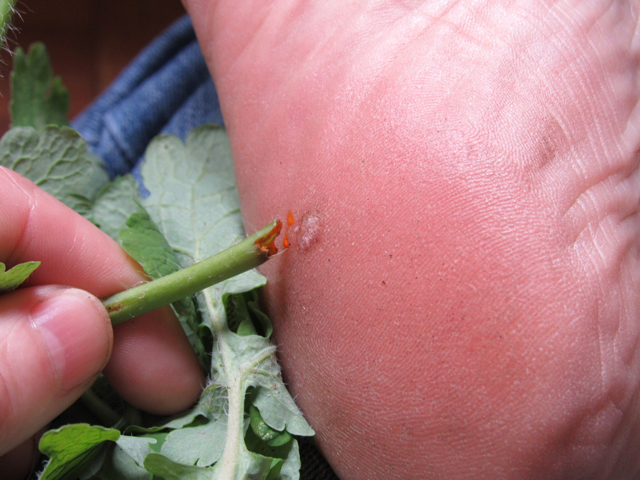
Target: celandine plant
<point x="188" y="236"/>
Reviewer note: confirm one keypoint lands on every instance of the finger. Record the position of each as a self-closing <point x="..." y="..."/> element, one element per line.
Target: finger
<point x="139" y="371"/>
<point x="20" y="462"/>
<point x="53" y="342"/>
<point x="35" y="226"/>
<point x="74" y="252"/>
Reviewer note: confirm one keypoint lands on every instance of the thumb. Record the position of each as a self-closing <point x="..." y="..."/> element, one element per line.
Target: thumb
<point x="53" y="342"/>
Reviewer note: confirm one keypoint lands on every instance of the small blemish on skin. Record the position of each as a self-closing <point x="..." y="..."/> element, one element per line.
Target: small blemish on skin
<point x="310" y="231"/>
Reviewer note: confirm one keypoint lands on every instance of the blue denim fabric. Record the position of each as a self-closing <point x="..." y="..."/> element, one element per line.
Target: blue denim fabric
<point x="166" y="89"/>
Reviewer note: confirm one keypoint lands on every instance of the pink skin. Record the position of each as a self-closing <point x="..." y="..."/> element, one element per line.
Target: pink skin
<point x="74" y="253"/>
<point x="460" y="297"/>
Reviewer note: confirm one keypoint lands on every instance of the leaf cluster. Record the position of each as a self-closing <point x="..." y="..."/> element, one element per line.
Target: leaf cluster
<point x="245" y="423"/>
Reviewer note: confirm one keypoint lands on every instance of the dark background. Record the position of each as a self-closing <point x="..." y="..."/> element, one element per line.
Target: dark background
<point x="89" y="41"/>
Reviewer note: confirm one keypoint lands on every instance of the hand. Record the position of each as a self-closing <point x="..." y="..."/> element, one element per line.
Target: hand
<point x="460" y="299"/>
<point x="55" y="335"/>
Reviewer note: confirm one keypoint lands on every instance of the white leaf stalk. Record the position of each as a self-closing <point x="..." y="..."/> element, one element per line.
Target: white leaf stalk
<point x="236" y="387"/>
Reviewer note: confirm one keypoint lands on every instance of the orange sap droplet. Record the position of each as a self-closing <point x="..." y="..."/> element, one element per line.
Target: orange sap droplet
<point x="266" y="242"/>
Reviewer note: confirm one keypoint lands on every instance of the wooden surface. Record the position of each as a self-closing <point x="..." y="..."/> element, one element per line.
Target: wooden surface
<point x="89" y="41"/>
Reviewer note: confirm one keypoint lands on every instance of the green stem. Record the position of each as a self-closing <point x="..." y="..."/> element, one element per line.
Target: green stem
<point x="107" y="415"/>
<point x="100" y="408"/>
<point x="249" y="253"/>
<point x="6" y="14"/>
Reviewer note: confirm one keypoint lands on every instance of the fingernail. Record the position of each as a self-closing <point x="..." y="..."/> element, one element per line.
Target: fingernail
<point x="75" y="328"/>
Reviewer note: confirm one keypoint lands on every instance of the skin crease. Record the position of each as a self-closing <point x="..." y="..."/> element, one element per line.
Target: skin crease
<point x="133" y="355"/>
<point x="459" y="298"/>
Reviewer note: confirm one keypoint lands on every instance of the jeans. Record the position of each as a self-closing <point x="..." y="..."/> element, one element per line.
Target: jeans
<point x="166" y="89"/>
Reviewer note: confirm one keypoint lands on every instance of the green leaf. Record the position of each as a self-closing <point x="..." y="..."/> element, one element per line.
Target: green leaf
<point x="194" y="200"/>
<point x="144" y="242"/>
<point x="56" y="159"/>
<point x="37" y="97"/>
<point x="160" y="465"/>
<point x="276" y="406"/>
<point x="115" y="202"/>
<point x="72" y="448"/>
<point x="136" y="447"/>
<point x="116" y="465"/>
<point x="187" y="418"/>
<point x="186" y="445"/>
<point x="244" y="316"/>
<point x="13" y="278"/>
<point x="291" y="468"/>
<point x="264" y="432"/>
<point x="124" y="460"/>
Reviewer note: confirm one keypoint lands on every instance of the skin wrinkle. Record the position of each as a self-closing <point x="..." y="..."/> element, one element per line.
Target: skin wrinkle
<point x="76" y="243"/>
<point x="634" y="46"/>
<point x="621" y="468"/>
<point x="627" y="355"/>
<point x="607" y="392"/>
<point x="626" y="68"/>
<point x="624" y="198"/>
<point x="237" y="56"/>
<point x="564" y="63"/>
<point x="610" y="87"/>
<point x="612" y="171"/>
<point x="606" y="210"/>
<point x="11" y="253"/>
<point x="631" y="435"/>
<point x="8" y="409"/>
<point x="596" y="428"/>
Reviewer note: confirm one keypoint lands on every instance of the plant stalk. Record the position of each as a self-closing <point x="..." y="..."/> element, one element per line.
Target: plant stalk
<point x="100" y="408"/>
<point x="6" y="14"/>
<point x="249" y="253"/>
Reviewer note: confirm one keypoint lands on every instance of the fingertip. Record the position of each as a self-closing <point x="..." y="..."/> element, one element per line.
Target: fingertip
<point x="54" y="341"/>
<point x="153" y="366"/>
<point x="76" y="330"/>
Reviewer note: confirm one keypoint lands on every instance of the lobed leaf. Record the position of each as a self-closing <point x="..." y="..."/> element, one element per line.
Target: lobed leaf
<point x="37" y="97"/>
<point x="169" y="470"/>
<point x="56" y="159"/>
<point x="115" y="202"/>
<point x="201" y="444"/>
<point x="72" y="448"/>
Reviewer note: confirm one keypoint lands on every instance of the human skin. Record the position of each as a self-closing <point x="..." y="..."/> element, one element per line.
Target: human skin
<point x="35" y="386"/>
<point x="460" y="295"/>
